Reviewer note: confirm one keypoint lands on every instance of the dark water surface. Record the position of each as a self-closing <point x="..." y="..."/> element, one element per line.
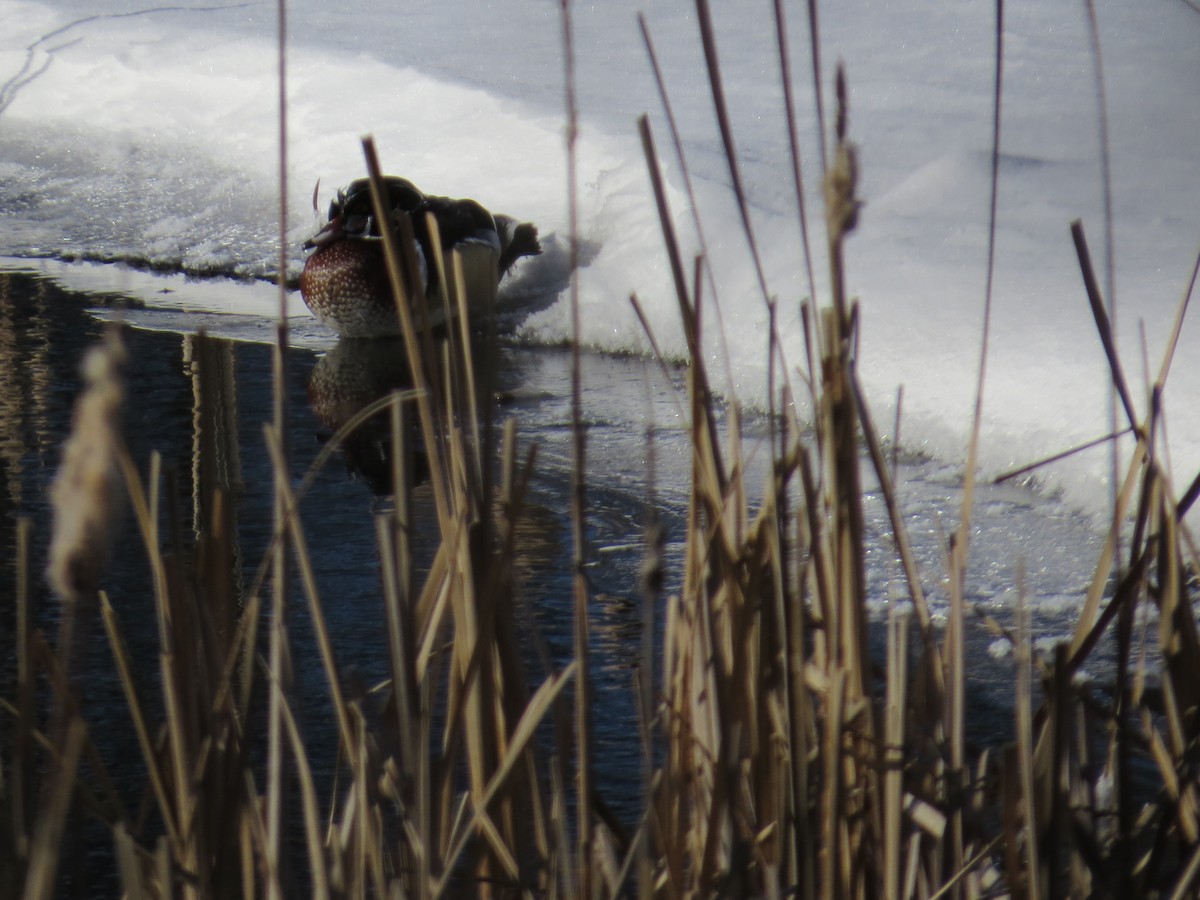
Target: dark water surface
<point x="202" y="402"/>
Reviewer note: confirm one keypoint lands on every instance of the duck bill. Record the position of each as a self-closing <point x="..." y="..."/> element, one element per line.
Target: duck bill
<point x="331" y="232"/>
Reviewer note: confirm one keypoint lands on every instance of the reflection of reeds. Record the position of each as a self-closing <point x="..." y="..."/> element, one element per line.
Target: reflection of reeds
<point x="216" y="470"/>
<point x="775" y="759"/>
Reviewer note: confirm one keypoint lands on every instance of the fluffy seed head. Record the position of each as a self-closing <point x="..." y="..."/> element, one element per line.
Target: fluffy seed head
<point x="87" y="495"/>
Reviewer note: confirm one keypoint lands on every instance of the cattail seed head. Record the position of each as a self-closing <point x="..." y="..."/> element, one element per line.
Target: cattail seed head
<point x="86" y="496"/>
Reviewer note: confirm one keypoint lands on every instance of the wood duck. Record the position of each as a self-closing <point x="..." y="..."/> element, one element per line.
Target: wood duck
<point x="345" y="281"/>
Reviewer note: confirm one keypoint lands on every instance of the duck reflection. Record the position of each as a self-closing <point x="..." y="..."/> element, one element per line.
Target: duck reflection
<point x="351" y="376"/>
<point x="358" y="372"/>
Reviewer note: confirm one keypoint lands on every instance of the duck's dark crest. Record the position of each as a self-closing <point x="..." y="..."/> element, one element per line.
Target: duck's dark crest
<point x="354" y="202"/>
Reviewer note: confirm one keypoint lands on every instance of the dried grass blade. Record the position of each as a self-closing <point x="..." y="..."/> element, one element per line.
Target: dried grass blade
<point x="21" y="778"/>
<point x="702" y="261"/>
<point x="708" y="39"/>
<point x="309" y="583"/>
<point x="789" y="105"/>
<point x="535" y="711"/>
<point x="1103" y="326"/>
<point x="312" y="814"/>
<point x="1058" y="457"/>
<point x="580" y="613"/>
<point x="893" y="749"/>
<point x="121" y="656"/>
<point x="128" y="863"/>
<point x="1084" y="629"/>
<point x="899" y="531"/>
<point x="47" y="839"/>
<point x="417" y="358"/>
<point x="1180" y="314"/>
<point x="1026" y="795"/>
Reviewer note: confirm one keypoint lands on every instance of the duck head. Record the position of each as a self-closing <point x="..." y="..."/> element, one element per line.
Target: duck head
<point x="351" y="214"/>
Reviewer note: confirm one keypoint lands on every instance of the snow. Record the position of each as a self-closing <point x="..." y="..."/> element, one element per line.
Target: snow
<point x="150" y="134"/>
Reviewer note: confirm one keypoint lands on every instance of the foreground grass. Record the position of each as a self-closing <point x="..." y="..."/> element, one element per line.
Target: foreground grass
<point x="779" y="757"/>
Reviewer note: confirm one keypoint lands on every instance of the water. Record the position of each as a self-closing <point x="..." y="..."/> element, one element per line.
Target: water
<point x="175" y="412"/>
<point x="203" y="403"/>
